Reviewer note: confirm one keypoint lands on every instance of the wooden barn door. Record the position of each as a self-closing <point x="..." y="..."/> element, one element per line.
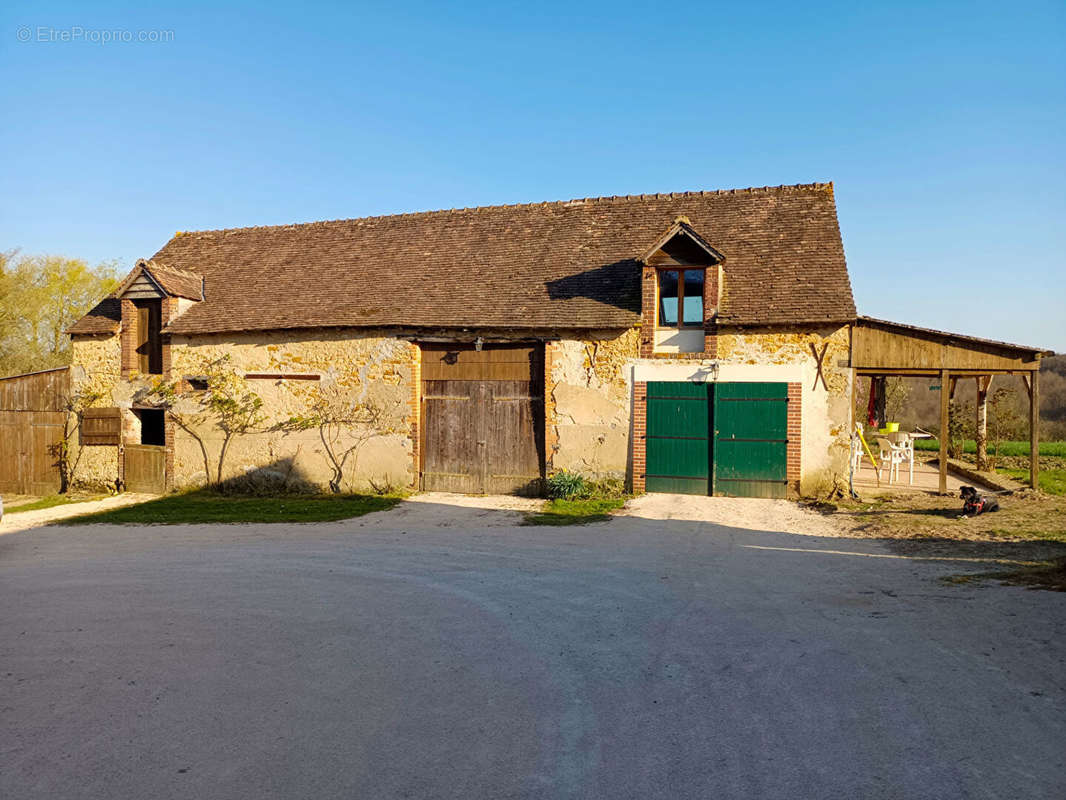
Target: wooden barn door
<point x="483" y="419"/>
<point x="145" y="468"/>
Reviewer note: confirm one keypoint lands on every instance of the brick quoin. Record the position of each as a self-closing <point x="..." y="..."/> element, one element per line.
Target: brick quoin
<point x="551" y="430"/>
<point x="710" y="313"/>
<point x="795" y="427"/>
<point x="415" y="414"/>
<point x="168" y="474"/>
<point x="647" y="312"/>
<point x="640" y="433"/>
<point x="128" y="332"/>
<point x="170" y="312"/>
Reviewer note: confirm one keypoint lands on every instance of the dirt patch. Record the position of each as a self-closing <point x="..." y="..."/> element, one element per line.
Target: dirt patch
<point x="1045" y="576"/>
<point x="749" y="513"/>
<point x="443" y="510"/>
<point x="34" y="519"/>
<point x="1030" y="526"/>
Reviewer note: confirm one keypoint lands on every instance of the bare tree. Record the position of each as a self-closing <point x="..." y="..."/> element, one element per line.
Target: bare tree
<point x="345" y="422"/>
<point x="75" y="406"/>
<point x="217" y="399"/>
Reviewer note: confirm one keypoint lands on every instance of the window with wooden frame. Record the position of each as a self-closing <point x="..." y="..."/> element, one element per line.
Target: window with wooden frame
<point x="149" y="338"/>
<point x="680" y="298"/>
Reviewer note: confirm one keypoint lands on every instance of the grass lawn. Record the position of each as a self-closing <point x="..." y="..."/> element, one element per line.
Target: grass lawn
<point x="206" y="506"/>
<point x="1057" y="449"/>
<point x="1052" y="481"/>
<point x="50" y="502"/>
<point x="575" y="512"/>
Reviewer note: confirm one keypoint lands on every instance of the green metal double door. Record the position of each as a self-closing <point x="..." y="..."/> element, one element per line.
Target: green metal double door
<point x="717" y="438"/>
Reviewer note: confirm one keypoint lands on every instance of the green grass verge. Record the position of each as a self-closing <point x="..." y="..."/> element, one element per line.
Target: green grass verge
<point x="206" y="506"/>
<point x="575" y="512"/>
<point x="49" y="502"/>
<point x="1052" y="481"/>
<point x="1057" y="449"/>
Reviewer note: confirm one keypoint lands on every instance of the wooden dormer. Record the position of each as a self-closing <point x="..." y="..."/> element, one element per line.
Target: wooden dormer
<point x="152" y="296"/>
<point x="680" y="283"/>
<point x="681" y="246"/>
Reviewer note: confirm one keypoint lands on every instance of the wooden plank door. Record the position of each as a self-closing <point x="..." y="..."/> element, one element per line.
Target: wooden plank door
<point x="145" y="468"/>
<point x="751" y="439"/>
<point x="45" y="435"/>
<point x="12" y="455"/>
<point x="482" y="419"/>
<point x="453" y="459"/>
<point x="678" y="438"/>
<point x="514" y="435"/>
<point x="29" y="458"/>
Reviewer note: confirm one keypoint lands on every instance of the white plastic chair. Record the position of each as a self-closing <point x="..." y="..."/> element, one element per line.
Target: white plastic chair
<point x="892" y="455"/>
<point x="905" y="442"/>
<point x="856" y="453"/>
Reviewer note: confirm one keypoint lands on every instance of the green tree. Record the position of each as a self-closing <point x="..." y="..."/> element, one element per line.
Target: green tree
<point x="40" y="297"/>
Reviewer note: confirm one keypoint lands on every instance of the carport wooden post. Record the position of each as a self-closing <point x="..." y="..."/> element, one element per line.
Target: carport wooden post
<point x="945" y="394"/>
<point x="1034" y="427"/>
<point x="981" y="426"/>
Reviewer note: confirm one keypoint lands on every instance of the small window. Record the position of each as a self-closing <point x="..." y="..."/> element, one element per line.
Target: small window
<point x="153" y="426"/>
<point x="693" y="294"/>
<point x="668" y="297"/>
<point x="680" y="291"/>
<point x="149" y="336"/>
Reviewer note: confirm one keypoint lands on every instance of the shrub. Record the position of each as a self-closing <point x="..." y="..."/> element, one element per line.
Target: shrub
<point x="565" y="485"/>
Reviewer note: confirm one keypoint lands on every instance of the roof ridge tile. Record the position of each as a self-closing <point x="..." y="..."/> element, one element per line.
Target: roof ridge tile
<point x="502" y="206"/>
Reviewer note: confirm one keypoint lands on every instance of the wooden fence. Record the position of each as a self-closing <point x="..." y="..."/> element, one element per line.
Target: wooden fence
<point x="31" y="429"/>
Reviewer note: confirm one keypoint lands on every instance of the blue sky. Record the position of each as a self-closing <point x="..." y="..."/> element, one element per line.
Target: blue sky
<point x="940" y="124"/>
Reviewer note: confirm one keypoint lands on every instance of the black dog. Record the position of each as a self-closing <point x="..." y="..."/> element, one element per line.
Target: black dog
<point x="973" y="503"/>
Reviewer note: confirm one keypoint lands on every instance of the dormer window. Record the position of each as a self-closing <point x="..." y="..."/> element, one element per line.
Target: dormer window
<point x="681" y="298"/>
<point x="152" y="295"/>
<point x="683" y="270"/>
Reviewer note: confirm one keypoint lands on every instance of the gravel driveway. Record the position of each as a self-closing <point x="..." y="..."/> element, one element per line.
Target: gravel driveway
<point x="394" y="656"/>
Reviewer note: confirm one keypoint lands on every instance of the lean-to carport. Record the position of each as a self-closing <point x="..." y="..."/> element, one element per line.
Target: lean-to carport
<point x="890" y="349"/>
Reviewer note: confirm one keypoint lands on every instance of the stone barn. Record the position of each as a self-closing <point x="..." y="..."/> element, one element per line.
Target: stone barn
<point x="693" y="342"/>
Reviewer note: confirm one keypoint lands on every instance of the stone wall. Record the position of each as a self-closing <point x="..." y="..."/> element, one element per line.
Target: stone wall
<point x="374" y="367"/>
<point x="588" y="399"/>
<point x="95" y="364"/>
<point x="588" y="396"/>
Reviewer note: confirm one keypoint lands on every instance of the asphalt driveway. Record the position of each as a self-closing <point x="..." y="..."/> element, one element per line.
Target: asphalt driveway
<point x="391" y="657"/>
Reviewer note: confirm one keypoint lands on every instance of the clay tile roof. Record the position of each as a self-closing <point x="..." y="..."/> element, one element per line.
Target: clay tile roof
<point x="571" y="264"/>
<point x="176" y="282"/>
<point x="106" y="316"/>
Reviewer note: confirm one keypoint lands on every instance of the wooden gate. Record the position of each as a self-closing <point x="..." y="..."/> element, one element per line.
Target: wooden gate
<point x="717" y="438"/>
<point x="31" y="430"/>
<point x="145" y="468"/>
<point x="483" y="419"/>
<point x="751" y="439"/>
<point x="678" y="438"/>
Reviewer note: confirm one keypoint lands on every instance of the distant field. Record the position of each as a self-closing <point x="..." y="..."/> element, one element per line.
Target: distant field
<point x="1005" y="448"/>
<point x="1052" y="481"/>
